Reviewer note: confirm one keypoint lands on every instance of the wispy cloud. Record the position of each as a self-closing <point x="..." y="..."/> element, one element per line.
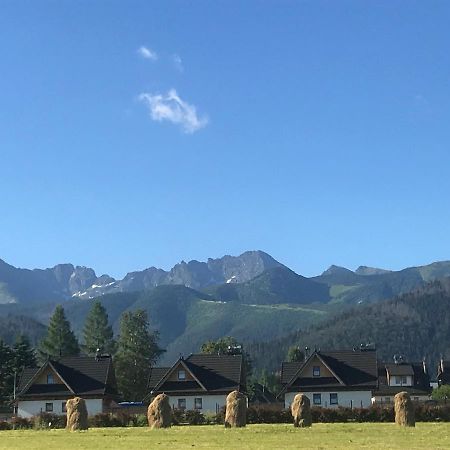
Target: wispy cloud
<point x="177" y="62"/>
<point x="147" y="53"/>
<point x="172" y="108"/>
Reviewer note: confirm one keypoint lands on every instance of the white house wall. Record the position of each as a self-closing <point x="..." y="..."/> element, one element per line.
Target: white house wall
<point x="355" y="399"/>
<point x="395" y="381"/>
<point x="32" y="408"/>
<point x="210" y="403"/>
<point x="389" y="399"/>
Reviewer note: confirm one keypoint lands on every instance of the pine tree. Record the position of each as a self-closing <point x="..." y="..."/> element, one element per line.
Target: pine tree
<point x="295" y="354"/>
<point x="6" y="372"/>
<point x="24" y="354"/>
<point x="60" y="339"/>
<point x="137" y="351"/>
<point x="98" y="334"/>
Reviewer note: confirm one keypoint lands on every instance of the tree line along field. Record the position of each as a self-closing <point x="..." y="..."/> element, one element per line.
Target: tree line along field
<point x="277" y="436"/>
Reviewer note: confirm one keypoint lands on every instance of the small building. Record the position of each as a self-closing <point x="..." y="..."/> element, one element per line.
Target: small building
<point x="401" y="376"/>
<point x="200" y="382"/>
<point x="332" y="378"/>
<point x="46" y="389"/>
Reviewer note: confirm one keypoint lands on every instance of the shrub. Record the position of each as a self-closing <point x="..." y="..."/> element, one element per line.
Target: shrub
<point x="268" y="414"/>
<point x="49" y="420"/>
<point x="5" y="426"/>
<point x="194" y="417"/>
<point x="107" y="420"/>
<point x="141" y="420"/>
<point x="178" y="416"/>
<point x="21" y="423"/>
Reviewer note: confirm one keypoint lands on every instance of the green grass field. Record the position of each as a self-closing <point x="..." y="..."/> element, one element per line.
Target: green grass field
<point x="320" y="436"/>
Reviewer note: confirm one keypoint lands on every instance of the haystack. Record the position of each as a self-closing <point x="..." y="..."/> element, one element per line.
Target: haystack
<point x="404" y="410"/>
<point x="77" y="415"/>
<point x="236" y="410"/>
<point x="159" y="413"/>
<point x="301" y="411"/>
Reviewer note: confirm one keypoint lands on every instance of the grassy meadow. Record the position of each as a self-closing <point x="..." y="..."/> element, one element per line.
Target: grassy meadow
<point x="320" y="436"/>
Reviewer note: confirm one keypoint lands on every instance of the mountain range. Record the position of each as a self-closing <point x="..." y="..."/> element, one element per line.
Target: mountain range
<point x="65" y="281"/>
<point x="252" y="297"/>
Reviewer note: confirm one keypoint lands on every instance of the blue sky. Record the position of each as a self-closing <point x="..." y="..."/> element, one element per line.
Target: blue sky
<point x="143" y="133"/>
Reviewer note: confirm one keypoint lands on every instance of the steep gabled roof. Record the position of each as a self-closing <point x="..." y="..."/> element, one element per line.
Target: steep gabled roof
<point x="156" y="375"/>
<point x="217" y="371"/>
<point x="401" y="369"/>
<point x="350" y="369"/>
<point x="81" y="375"/>
<point x="210" y="373"/>
<point x="165" y="384"/>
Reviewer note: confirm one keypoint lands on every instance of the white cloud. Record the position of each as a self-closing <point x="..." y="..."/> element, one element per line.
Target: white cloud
<point x="178" y="63"/>
<point x="170" y="107"/>
<point x="147" y="53"/>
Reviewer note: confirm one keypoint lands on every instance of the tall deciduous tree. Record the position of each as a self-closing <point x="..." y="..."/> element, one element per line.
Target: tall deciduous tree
<point x="137" y="351"/>
<point x="60" y="339"/>
<point x="98" y="334"/>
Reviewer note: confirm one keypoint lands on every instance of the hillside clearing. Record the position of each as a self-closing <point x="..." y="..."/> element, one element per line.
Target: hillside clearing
<point x="320" y="436"/>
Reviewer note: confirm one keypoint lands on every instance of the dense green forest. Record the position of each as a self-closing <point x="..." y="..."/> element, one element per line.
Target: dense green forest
<point x="415" y="325"/>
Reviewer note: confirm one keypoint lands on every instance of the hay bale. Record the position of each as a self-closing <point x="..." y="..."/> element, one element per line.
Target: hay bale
<point x="236" y="410"/>
<point x="301" y="411"/>
<point x="404" y="410"/>
<point x="77" y="415"/>
<point x="159" y="413"/>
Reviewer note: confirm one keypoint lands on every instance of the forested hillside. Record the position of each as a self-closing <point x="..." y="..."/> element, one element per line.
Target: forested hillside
<point x="12" y="326"/>
<point x="415" y="325"/>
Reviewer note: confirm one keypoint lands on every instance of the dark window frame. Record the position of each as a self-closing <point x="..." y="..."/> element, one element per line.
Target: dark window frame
<point x="49" y="407"/>
<point x="317" y="397"/>
<point x="316" y="371"/>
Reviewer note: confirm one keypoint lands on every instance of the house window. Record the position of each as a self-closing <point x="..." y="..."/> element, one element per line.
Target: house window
<point x="333" y="399"/>
<point x="387" y="399"/>
<point x="63" y="407"/>
<point x="49" y="407"/>
<point x="198" y="403"/>
<point x="181" y="403"/>
<point x="404" y="380"/>
<point x="50" y="379"/>
<point x="316" y="371"/>
<point x="181" y="374"/>
<point x="416" y="399"/>
<point x="317" y="399"/>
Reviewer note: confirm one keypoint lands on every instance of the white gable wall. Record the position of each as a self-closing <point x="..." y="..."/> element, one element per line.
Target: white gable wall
<point x="30" y="408"/>
<point x="210" y="403"/>
<point x="355" y="399"/>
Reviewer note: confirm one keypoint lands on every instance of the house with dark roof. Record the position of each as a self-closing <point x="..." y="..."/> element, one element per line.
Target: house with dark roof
<point x="332" y="378"/>
<point x="443" y="372"/>
<point x="200" y="382"/>
<point x="402" y="376"/>
<point x="47" y="388"/>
